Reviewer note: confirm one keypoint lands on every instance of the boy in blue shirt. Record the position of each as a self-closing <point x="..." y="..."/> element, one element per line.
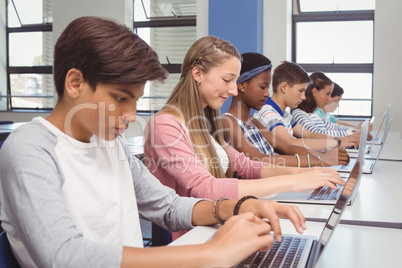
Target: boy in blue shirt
<point x="289" y="83"/>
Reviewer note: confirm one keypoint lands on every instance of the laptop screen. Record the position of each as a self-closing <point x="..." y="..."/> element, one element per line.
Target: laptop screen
<point x="351" y="186"/>
<point x="387" y="127"/>
<point x="386" y="116"/>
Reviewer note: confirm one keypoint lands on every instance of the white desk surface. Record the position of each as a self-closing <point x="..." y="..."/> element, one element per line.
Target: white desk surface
<point x="136" y="144"/>
<point x="378" y="199"/>
<point x="349" y="246"/>
<point x="392" y="150"/>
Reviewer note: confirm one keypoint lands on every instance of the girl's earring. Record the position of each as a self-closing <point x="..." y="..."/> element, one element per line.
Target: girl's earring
<point x="242" y="90"/>
<point x="198" y="83"/>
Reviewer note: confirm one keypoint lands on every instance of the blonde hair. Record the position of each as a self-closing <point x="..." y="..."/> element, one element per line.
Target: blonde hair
<point x="205" y="53"/>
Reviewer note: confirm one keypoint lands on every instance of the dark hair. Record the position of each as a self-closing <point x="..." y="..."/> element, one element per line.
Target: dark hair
<point x="318" y="81"/>
<point x="252" y="60"/>
<point x="290" y="73"/>
<point x="105" y="52"/>
<point x="338" y="90"/>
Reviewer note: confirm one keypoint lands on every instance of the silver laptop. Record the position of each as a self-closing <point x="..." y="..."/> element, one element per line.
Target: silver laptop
<point x="353" y="149"/>
<point x="302" y="250"/>
<point x="369" y="164"/>
<point x="377" y="139"/>
<point x="322" y="195"/>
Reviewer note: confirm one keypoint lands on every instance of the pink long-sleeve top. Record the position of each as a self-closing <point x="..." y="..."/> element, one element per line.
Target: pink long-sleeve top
<point x="170" y="156"/>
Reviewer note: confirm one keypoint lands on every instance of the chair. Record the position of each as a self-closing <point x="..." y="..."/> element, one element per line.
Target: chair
<point x="7" y="259"/>
<point x="160" y="236"/>
<point x="4" y="123"/>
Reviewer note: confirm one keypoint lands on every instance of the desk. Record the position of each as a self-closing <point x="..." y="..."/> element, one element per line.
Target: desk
<point x="392" y="150"/>
<point x="6" y="129"/>
<point x="136" y="145"/>
<point x="359" y="246"/>
<point x="392" y="135"/>
<point x="377" y="201"/>
<point x="349" y="247"/>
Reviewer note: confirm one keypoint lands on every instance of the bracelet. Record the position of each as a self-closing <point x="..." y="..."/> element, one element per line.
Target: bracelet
<point x="298" y="160"/>
<point x="339" y="142"/>
<point x="308" y="160"/>
<point x="215" y="209"/>
<point x="241" y="200"/>
<point x="319" y="160"/>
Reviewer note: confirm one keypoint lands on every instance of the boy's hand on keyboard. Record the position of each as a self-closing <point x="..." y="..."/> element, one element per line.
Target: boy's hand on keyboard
<point x="315" y="178"/>
<point x="335" y="157"/>
<point x="238" y="238"/>
<point x="351" y="140"/>
<point x="272" y="211"/>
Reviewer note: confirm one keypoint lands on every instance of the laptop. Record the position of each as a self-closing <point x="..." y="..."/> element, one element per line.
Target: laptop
<point x="353" y="149"/>
<point x="302" y="250"/>
<point x="323" y="195"/>
<point x="369" y="163"/>
<point x="379" y="140"/>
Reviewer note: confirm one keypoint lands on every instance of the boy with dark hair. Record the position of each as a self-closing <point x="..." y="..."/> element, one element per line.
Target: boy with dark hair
<point x="246" y="134"/>
<point x="72" y="194"/>
<point x="289" y="83"/>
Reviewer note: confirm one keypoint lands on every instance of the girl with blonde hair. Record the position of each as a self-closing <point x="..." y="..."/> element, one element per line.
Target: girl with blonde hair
<point x="184" y="143"/>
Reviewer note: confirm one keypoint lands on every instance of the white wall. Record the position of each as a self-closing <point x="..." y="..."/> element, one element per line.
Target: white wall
<point x="388" y="60"/>
<point x="202" y="18"/>
<point x="66" y="11"/>
<point x="277" y="30"/>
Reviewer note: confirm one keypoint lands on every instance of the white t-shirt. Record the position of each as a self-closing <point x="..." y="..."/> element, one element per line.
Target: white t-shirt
<point x="86" y="197"/>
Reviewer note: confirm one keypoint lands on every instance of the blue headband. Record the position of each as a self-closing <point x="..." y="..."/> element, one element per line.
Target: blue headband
<point x="253" y="72"/>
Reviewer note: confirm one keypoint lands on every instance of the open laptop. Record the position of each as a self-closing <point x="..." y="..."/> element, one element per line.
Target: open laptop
<point x="367" y="149"/>
<point x="386" y="117"/>
<point x="369" y="163"/>
<point x="322" y="195"/>
<point x="302" y="250"/>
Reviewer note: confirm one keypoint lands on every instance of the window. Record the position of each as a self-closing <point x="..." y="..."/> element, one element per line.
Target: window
<point x="337" y="37"/>
<point x="169" y="27"/>
<point x="29" y="49"/>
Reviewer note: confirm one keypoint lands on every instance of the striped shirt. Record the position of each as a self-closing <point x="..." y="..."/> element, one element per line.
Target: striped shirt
<point x="272" y="116"/>
<point x="315" y="124"/>
<point x="254" y="135"/>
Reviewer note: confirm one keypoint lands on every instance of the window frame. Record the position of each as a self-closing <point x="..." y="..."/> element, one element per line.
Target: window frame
<point x="45" y="69"/>
<point x="333" y="16"/>
<point x="159" y="22"/>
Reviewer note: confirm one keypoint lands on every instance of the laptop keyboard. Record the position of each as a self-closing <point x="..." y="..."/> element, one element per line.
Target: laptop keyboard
<point x="350" y="165"/>
<point x="378" y="139"/>
<point x="282" y="254"/>
<point x="326" y="193"/>
<point x="367" y="165"/>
